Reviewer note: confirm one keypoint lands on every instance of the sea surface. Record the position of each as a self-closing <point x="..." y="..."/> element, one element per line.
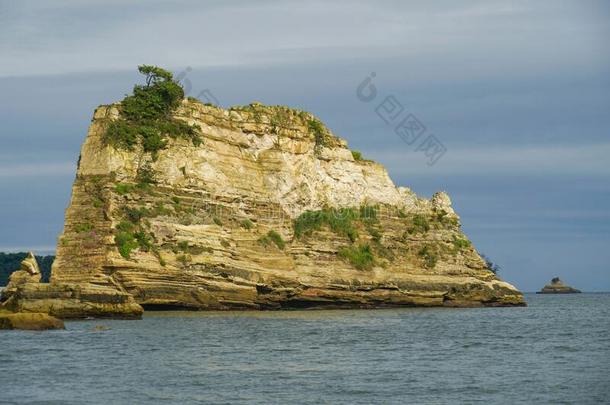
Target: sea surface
<point x="556" y="350"/>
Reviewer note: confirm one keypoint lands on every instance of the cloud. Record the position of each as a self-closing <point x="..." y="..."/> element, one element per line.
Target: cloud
<point x="496" y="160"/>
<point x="517" y="91"/>
<point x="37" y="169"/>
<point x="490" y="36"/>
<point x="38" y="250"/>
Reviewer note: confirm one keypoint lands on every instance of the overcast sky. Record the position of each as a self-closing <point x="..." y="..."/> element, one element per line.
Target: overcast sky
<point x="518" y="93"/>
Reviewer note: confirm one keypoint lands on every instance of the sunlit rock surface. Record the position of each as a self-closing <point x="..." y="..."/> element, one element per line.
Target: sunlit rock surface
<point x="30" y="321"/>
<point x="206" y="220"/>
<point x="28" y="272"/>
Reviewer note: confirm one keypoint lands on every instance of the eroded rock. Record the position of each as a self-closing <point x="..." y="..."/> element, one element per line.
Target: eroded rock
<point x="216" y="227"/>
<point x="30" y="321"/>
<point x="28" y="272"/>
<point x="73" y="300"/>
<point x="558" y="287"/>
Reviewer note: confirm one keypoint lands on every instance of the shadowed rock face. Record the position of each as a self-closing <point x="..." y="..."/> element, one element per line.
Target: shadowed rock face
<point x="216" y="229"/>
<point x="557" y="287"/>
<point x="30" y="321"/>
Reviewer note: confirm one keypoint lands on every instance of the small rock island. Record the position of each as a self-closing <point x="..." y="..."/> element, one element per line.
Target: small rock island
<point x="558" y="287"/>
<point x="29" y="272"/>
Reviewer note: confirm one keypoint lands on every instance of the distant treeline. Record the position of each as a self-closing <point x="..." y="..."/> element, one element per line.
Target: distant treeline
<point x="10" y="262"/>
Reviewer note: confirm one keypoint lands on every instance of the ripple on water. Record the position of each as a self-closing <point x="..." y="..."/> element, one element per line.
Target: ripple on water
<point x="552" y="351"/>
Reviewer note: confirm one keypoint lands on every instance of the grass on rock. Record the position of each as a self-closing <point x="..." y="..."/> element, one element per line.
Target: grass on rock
<point x="146" y="115"/>
<point x="360" y="256"/>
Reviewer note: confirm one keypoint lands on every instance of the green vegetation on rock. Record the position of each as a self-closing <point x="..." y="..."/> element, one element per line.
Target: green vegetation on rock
<point x="360" y="256"/>
<point x="419" y="224"/>
<point x="491" y="266"/>
<point x="340" y="221"/>
<point x="95" y="189"/>
<point x="429" y="256"/>
<point x="134" y="215"/>
<point x="184" y="259"/>
<point x="448" y="221"/>
<point x="145" y="176"/>
<point x="146" y="115"/>
<point x="183" y="245"/>
<point x="368" y="213"/>
<point x="343" y="222"/>
<point x="280" y="119"/>
<point x="131" y="233"/>
<point x="247" y="224"/>
<point x="144" y="240"/>
<point x="123" y="188"/>
<point x="126" y="242"/>
<point x="375" y="234"/>
<point x="272" y="237"/>
<point x="319" y="132"/>
<point x="83" y="227"/>
<point x="422" y="223"/>
<point x="460" y="243"/>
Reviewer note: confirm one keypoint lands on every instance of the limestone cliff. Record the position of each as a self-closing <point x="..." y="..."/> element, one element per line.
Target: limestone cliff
<point x="269" y="211"/>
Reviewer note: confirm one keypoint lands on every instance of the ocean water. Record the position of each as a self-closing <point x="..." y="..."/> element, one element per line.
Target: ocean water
<point x="556" y="350"/>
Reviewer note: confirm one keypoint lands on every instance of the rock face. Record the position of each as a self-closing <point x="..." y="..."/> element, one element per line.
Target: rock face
<point x="73" y="300"/>
<point x="269" y="212"/>
<point x="29" y="272"/>
<point x="30" y="321"/>
<point x="557" y="287"/>
<point x="25" y="294"/>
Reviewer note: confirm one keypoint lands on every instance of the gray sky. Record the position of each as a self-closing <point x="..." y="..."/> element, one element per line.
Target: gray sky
<point x="518" y="92"/>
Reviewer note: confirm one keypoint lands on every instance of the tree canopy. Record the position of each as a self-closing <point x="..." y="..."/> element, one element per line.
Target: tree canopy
<point x="146" y="115"/>
<point x="491" y="266"/>
<point x="154" y="74"/>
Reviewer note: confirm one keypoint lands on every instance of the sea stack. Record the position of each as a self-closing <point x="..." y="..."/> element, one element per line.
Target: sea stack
<point x="557" y="287"/>
<point x="28" y="272"/>
<point x="252" y="207"/>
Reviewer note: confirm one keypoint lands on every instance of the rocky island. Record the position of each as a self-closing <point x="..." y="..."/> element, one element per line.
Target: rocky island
<point x="557" y="287"/>
<point x="28" y="272"/>
<point x="185" y="205"/>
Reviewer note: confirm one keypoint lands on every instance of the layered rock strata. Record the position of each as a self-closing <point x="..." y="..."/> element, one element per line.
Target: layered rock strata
<point x="26" y="295"/>
<point x="268" y="212"/>
<point x="28" y="272"/>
